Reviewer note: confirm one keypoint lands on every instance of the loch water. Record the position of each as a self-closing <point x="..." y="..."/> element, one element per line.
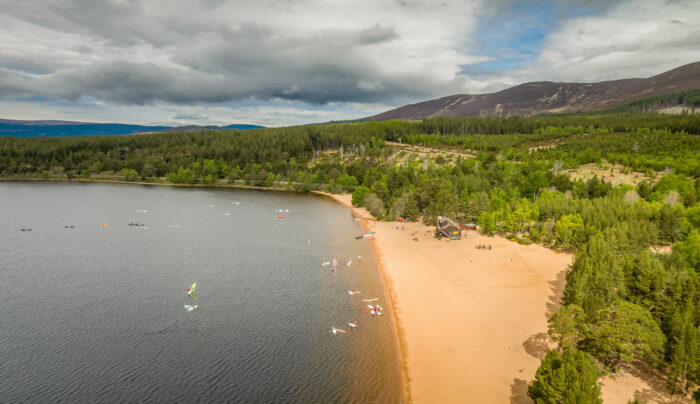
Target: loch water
<point x="95" y="313"/>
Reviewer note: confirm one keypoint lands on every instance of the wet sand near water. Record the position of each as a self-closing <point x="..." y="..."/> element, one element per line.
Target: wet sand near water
<point x="471" y="324"/>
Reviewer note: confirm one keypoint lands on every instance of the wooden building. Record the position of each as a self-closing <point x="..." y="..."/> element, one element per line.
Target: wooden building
<point x="448" y="228"/>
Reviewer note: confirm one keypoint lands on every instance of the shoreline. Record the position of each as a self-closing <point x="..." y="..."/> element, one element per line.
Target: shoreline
<point x="366" y="218"/>
<point x="397" y="329"/>
<point x="470" y="325"/>
<point x="101" y="181"/>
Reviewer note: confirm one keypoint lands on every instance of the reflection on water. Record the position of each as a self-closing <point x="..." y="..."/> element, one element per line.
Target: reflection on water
<point x="95" y="313"/>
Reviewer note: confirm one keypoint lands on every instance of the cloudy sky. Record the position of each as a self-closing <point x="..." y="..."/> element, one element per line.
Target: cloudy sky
<point x="281" y="62"/>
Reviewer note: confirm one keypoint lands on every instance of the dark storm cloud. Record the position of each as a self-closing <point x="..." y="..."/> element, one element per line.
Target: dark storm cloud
<point x="220" y="64"/>
<point x="565" y="6"/>
<point x="315" y="68"/>
<point x="29" y="64"/>
<point x="141" y="84"/>
<point x="11" y="84"/>
<point x="210" y="51"/>
<point x="115" y="22"/>
<point x="376" y="34"/>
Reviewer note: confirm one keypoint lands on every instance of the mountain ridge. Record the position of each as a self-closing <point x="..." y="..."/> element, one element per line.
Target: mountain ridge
<point x="542" y="97"/>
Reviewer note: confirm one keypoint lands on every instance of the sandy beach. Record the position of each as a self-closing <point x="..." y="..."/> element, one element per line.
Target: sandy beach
<point x="474" y="322"/>
<point x="471" y="323"/>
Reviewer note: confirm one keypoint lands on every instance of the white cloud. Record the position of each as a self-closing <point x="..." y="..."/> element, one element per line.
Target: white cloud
<point x="303" y="60"/>
<point x="315" y="51"/>
<point x="638" y="38"/>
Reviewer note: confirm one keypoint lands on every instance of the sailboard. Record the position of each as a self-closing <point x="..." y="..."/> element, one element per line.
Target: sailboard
<point x="192" y="288"/>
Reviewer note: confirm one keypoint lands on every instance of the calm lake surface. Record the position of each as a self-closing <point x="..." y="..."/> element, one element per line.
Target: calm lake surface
<point x="96" y="313"/>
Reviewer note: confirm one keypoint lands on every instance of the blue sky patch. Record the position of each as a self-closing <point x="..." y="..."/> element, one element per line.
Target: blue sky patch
<point x="512" y="37"/>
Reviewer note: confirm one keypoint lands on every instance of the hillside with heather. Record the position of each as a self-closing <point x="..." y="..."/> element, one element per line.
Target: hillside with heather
<point x="546" y="97"/>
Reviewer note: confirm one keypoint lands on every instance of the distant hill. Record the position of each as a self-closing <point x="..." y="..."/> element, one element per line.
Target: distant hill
<point x="10" y="127"/>
<point x="39" y="123"/>
<point x="548" y="97"/>
<point x="243" y="126"/>
<point x="34" y="129"/>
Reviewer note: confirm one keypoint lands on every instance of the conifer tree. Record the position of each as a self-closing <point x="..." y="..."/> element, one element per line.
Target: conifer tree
<point x="569" y="377"/>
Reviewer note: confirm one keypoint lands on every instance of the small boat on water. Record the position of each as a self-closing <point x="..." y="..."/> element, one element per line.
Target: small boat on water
<point x="280" y="217"/>
<point x="174" y="226"/>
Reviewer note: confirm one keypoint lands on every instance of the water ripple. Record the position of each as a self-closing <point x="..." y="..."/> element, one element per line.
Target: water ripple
<point x="96" y="314"/>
